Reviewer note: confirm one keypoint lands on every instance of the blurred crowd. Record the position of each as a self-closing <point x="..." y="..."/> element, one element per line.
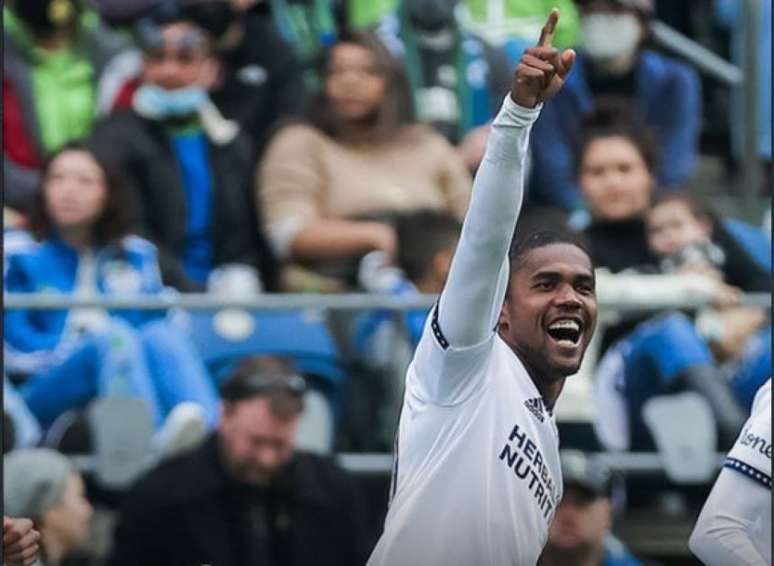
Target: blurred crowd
<point x="242" y="147"/>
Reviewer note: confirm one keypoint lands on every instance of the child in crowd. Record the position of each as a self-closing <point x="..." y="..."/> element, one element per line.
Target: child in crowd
<point x="680" y="233"/>
<point x="426" y="242"/>
<point x="385" y="340"/>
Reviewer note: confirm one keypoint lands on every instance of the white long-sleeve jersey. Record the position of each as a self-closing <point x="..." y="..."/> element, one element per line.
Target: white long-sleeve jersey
<point x="476" y="478"/>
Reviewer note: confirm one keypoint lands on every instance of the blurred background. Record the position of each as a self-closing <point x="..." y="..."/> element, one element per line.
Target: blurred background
<point x="226" y="220"/>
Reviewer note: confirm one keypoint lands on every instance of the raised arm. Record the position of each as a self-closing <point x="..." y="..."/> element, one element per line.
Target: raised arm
<point x="470" y="303"/>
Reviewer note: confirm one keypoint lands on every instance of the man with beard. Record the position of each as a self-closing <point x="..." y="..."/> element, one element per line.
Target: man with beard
<point x="245" y="496"/>
<point x="476" y="477"/>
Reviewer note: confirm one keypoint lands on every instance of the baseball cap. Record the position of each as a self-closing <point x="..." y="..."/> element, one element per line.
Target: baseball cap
<point x="588" y="474"/>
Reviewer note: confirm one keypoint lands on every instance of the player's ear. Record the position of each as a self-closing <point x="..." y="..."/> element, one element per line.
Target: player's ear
<point x="504" y="320"/>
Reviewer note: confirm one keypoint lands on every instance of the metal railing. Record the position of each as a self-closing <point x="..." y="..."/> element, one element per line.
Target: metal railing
<point x="362" y="463"/>
<point x="293" y="301"/>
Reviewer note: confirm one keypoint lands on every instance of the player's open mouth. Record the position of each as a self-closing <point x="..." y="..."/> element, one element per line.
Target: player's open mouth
<point x="566" y="331"/>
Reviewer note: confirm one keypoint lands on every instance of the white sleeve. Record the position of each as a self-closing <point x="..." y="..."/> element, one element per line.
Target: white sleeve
<point x="729" y="528"/>
<point x="459" y="331"/>
<point x="734" y="527"/>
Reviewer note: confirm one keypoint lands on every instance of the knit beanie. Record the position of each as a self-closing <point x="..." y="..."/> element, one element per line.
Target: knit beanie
<point x="34" y="481"/>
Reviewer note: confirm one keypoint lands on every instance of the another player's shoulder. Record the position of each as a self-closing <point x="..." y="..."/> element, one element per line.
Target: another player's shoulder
<point x="762" y="401"/>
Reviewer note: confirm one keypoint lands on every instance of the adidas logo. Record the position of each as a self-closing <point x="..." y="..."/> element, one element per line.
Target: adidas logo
<point x="535" y="407"/>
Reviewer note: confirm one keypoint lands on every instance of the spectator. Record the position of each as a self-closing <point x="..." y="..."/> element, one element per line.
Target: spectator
<point x="245" y="496"/>
<point x="20" y="542"/>
<point x="84" y="248"/>
<point x="613" y="60"/>
<point x="43" y="485"/>
<point x="616" y="176"/>
<point x="580" y="534"/>
<point x="420" y="269"/>
<point x="358" y="154"/>
<point x="260" y="80"/>
<point x="60" y="69"/>
<point x="457" y="79"/>
<point x="174" y="137"/>
<point x="514" y="24"/>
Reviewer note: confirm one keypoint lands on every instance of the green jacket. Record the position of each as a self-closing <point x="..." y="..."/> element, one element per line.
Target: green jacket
<point x="523" y="19"/>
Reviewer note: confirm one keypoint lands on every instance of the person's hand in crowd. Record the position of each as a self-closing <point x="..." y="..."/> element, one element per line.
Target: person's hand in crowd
<point x="542" y="70"/>
<point x="738" y="325"/>
<point x="20" y="542"/>
<point x="726" y="296"/>
<point x="471" y="148"/>
<point x="382" y="237"/>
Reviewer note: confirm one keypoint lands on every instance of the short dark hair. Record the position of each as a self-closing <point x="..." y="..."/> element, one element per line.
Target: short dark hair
<point x="615" y="116"/>
<point x="421" y="236"/>
<point x="396" y="109"/>
<point x="687" y="197"/>
<point x="521" y="246"/>
<point x="269" y="377"/>
<point x="116" y="219"/>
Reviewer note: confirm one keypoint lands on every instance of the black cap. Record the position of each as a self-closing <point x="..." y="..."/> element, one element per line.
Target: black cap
<point x="589" y="474"/>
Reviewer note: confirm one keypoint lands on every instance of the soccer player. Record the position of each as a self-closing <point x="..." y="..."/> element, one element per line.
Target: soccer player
<point x="734" y="527"/>
<point x="476" y="477"/>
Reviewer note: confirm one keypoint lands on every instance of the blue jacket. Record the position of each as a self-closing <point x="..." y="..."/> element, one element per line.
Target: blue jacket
<point x="34" y="339"/>
<point x="668" y="95"/>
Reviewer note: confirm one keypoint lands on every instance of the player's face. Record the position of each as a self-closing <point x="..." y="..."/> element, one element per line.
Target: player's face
<point x="256" y="444"/>
<point x="551" y="309"/>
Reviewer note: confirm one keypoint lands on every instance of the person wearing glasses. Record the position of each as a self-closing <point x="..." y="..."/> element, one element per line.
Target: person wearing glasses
<point x="189" y="168"/>
<point x="246" y="495"/>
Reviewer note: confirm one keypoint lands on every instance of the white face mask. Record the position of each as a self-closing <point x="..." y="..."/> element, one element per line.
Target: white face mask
<point x="609" y="37"/>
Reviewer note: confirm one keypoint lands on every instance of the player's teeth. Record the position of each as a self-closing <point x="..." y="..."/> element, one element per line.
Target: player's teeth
<point x="571" y="324"/>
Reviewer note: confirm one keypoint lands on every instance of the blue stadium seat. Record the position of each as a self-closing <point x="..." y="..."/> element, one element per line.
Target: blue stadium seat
<point x="226" y="336"/>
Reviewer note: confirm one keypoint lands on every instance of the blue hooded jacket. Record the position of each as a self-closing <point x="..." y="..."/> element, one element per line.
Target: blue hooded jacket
<point x="35" y="339"/>
<point x="668" y="96"/>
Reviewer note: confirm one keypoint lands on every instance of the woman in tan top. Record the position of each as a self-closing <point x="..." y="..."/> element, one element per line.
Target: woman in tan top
<point x="357" y="154"/>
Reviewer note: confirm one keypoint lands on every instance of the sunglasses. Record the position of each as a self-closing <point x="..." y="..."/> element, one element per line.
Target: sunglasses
<point x="246" y="387"/>
<point x="151" y="39"/>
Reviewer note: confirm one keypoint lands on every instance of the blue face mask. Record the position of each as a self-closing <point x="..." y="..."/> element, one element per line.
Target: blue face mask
<point x="155" y="102"/>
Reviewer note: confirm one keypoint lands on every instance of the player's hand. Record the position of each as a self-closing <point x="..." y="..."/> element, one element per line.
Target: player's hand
<point x="542" y="70"/>
<point x="20" y="542"/>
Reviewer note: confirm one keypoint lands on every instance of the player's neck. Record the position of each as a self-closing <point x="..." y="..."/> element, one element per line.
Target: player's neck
<point x="549" y="388"/>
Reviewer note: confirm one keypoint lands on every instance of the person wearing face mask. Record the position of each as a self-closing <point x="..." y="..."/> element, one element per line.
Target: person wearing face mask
<point x="456" y="77"/>
<point x="613" y="61"/>
<point x="59" y="67"/>
<point x="174" y="137"/>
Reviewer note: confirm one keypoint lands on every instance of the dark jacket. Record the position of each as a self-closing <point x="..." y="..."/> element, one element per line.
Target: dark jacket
<point x="262" y="81"/>
<point x="667" y="94"/>
<point x="141" y="150"/>
<point x="188" y="512"/>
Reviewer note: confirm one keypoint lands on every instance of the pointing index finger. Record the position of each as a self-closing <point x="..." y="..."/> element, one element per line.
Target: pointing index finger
<point x="547" y="33"/>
